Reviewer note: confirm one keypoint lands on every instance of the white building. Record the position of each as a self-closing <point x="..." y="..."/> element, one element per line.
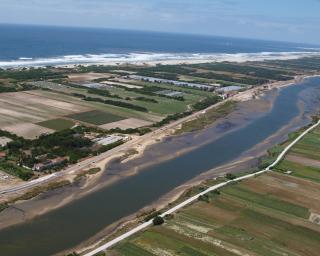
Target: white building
<point x="110" y="139"/>
<point x="176" y="83"/>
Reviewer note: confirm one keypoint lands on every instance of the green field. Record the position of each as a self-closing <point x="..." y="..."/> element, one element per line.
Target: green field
<point x="96" y="117"/>
<point x="57" y="124"/>
<point x="307" y="149"/>
<point x="208" y="118"/>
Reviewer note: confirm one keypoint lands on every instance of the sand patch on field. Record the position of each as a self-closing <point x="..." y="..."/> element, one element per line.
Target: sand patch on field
<point x="126" y="123"/>
<point x="88" y="76"/>
<point x="315" y="218"/>
<point x="28" y="130"/>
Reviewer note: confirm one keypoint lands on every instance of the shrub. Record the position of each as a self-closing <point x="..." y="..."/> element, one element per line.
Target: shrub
<point x="230" y="176"/>
<point x="158" y="221"/>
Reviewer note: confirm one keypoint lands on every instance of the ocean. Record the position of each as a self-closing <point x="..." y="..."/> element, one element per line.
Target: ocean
<point x="25" y="45"/>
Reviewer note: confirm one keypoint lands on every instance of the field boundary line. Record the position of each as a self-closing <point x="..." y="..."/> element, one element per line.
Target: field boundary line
<point x="194" y="198"/>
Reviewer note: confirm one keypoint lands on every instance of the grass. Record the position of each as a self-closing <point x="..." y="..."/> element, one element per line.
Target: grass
<point x="129" y="249"/>
<point x="309" y="146"/>
<point x="96" y="117"/>
<point x="299" y="170"/>
<point x="208" y="118"/>
<point x="268" y="201"/>
<point x="58" y="124"/>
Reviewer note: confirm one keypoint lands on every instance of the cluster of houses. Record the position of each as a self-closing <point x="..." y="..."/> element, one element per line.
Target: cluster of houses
<point x="110" y="139"/>
<point x="102" y="141"/>
<point x="3" y="142"/>
<point x="49" y="164"/>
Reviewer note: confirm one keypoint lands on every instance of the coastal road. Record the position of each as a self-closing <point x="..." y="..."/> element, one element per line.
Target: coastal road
<point x="194" y="198"/>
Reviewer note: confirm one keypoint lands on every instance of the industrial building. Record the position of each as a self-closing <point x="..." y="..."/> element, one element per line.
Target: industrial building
<point x="173" y="82"/>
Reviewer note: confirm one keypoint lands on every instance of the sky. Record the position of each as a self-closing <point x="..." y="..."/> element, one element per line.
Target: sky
<point x="284" y="20"/>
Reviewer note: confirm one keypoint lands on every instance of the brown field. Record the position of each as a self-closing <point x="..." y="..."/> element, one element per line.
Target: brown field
<point x="20" y="111"/>
<point x="88" y="76"/>
<point x="304" y="161"/>
<point x="27" y="130"/>
<point x="126" y="123"/>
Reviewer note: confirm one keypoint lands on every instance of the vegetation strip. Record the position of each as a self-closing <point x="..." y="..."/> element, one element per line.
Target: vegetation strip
<point x="194" y="198"/>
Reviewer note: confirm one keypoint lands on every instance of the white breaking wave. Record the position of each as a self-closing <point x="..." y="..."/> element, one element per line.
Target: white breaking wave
<point x="141" y="58"/>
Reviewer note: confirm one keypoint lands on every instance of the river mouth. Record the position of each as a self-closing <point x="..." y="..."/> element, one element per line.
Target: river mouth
<point x="191" y="155"/>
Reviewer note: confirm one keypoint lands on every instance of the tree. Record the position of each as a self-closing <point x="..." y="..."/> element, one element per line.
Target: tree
<point x="230" y="176"/>
<point x="158" y="221"/>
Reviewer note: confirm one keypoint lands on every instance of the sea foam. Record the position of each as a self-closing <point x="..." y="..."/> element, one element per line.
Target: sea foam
<point x="145" y="57"/>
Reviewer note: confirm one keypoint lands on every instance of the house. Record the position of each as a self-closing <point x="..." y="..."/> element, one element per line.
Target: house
<point x="229" y="89"/>
<point x="3" y="155"/>
<point x="48" y="164"/>
<point x="110" y="139"/>
<point x="4" y="141"/>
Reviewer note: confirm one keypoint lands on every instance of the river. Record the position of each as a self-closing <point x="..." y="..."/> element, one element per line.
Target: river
<point x="78" y="221"/>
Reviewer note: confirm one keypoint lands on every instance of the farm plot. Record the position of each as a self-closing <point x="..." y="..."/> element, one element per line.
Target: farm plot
<point x="88" y="76"/>
<point x="21" y="111"/>
<point x="267" y="215"/>
<point x="126" y="124"/>
<point x="303" y="159"/>
<point x="27" y="130"/>
<point x="65" y="94"/>
<point x="57" y="124"/>
<point x="96" y="117"/>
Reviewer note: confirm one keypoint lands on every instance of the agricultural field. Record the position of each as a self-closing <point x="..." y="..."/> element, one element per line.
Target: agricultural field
<point x="126" y="124"/>
<point x="30" y="114"/>
<point x="20" y="112"/>
<point x="96" y="117"/>
<point x="277" y="213"/>
<point x="304" y="159"/>
<point x="58" y="124"/>
<point x="30" y="98"/>
<point x="268" y="215"/>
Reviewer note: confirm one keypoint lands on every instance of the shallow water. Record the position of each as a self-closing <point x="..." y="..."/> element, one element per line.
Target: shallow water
<point x="81" y="219"/>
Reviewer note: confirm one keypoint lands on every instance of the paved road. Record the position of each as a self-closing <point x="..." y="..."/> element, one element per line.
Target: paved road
<point x="194" y="198"/>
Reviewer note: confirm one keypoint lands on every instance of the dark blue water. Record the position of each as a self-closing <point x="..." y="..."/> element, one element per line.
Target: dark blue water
<point x="47" y="42"/>
<point x="78" y="221"/>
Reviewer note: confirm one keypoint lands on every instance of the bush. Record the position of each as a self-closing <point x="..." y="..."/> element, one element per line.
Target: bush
<point x="204" y="198"/>
<point x="158" y="221"/>
<point x="230" y="176"/>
